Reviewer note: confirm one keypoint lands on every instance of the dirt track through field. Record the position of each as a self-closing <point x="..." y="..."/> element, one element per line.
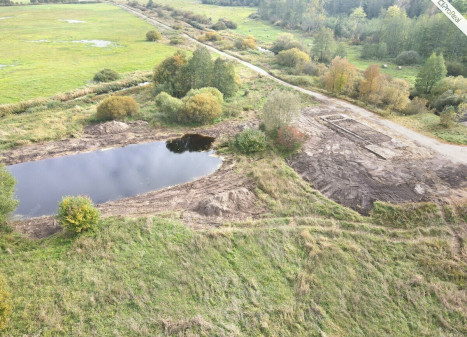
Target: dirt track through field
<point x="455" y="153"/>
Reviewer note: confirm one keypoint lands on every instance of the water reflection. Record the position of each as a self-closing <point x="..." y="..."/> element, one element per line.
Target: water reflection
<point x="190" y="142"/>
<point x="106" y="175"/>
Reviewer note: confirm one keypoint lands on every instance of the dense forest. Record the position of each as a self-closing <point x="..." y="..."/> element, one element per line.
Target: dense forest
<point x="398" y="25"/>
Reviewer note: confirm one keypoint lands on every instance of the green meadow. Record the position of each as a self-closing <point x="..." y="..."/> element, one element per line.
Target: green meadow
<point x="56" y="64"/>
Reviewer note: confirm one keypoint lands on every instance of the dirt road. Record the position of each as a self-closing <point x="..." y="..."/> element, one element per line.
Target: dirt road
<point x="455" y="153"/>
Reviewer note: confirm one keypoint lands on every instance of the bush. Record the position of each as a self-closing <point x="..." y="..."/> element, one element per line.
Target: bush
<point x="455" y="68"/>
<point x="7" y="190"/>
<point x="106" y="75"/>
<point x="289" y="138"/>
<point x="177" y="39"/>
<point x="209" y="90"/>
<point x="200" y="108"/>
<point x="153" y="35"/>
<point x="210" y="36"/>
<point x="231" y="24"/>
<point x="117" y="107"/>
<point x="77" y="214"/>
<point x="248" y="43"/>
<point x="219" y="25"/>
<point x="408" y="58"/>
<point x="448" y="117"/>
<point x="169" y="106"/>
<point x="281" y="109"/>
<point x="286" y="41"/>
<point x="251" y="141"/>
<point x="292" y="57"/>
<point x="448" y="98"/>
<point x="416" y="106"/>
<point x="5" y="306"/>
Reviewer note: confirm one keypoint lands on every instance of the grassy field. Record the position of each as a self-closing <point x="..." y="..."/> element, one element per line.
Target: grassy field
<point x="428" y="123"/>
<point x="301" y="276"/>
<point x="43" y="69"/>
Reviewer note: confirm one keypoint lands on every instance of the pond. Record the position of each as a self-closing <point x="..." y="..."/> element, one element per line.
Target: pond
<point x="111" y="174"/>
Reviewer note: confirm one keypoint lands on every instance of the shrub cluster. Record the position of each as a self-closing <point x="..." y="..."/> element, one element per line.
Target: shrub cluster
<point x="290" y="138"/>
<point x="77" y="214"/>
<point x="374" y="50"/>
<point x="117" y="107"/>
<point x="408" y="58"/>
<point x="106" y="75"/>
<point x="201" y="106"/>
<point x="448" y="117"/>
<point x="7" y="190"/>
<point x="280" y="109"/>
<point x="210" y="36"/>
<point x="224" y="24"/>
<point x="455" y="69"/>
<point x="416" y="106"/>
<point x="284" y="42"/>
<point x="292" y="57"/>
<point x="177" y="39"/>
<point x="247" y="43"/>
<point x="169" y="106"/>
<point x="153" y="35"/>
<point x="251" y="141"/>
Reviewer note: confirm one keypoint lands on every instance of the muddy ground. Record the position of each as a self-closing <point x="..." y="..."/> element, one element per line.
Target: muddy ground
<point x="356" y="163"/>
<point x="345" y="157"/>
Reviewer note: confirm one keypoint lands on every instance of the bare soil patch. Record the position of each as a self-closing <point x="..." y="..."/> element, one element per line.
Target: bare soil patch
<point x="356" y="163"/>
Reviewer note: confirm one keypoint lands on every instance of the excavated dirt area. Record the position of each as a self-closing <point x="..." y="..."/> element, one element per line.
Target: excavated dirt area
<point x="356" y="163"/>
<point x="212" y="200"/>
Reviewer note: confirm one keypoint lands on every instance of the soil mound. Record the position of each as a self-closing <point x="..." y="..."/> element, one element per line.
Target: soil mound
<point x="226" y="202"/>
<point x="108" y="127"/>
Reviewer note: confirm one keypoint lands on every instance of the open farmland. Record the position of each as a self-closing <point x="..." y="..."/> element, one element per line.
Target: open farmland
<point x="57" y="64"/>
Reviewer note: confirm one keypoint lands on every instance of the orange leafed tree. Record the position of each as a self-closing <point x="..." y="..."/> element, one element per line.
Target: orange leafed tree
<point x="340" y="76"/>
<point x="372" y="84"/>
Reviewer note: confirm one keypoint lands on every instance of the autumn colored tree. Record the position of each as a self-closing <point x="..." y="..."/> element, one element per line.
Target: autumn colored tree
<point x="371" y="85"/>
<point x="340" y="76"/>
<point x="292" y="57"/>
<point x="282" y="108"/>
<point x="170" y="75"/>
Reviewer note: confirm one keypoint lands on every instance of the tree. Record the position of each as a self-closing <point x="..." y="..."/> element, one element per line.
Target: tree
<point x="225" y="79"/>
<point x="7" y="189"/>
<point x="371" y="86"/>
<point x="199" y="68"/>
<point x="433" y="71"/>
<point x="324" y="45"/>
<point x="340" y="76"/>
<point x="395" y="30"/>
<point x="170" y="75"/>
<point x="281" y="109"/>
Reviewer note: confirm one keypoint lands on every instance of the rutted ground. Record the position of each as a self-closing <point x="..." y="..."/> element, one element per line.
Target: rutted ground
<point x="352" y="163"/>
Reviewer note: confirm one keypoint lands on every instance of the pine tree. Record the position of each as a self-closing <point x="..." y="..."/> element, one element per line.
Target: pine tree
<point x="433" y="71"/>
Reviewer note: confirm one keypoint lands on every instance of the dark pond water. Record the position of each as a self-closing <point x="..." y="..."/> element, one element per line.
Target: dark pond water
<point x="111" y="174"/>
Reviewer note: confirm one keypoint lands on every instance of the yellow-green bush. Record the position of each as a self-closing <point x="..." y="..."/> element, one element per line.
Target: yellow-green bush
<point x="153" y="35"/>
<point x="292" y="57"/>
<point x="117" y="107"/>
<point x="5" y="306"/>
<point x="168" y="105"/>
<point x="210" y="36"/>
<point x="212" y="91"/>
<point x="77" y="214"/>
<point x="200" y="108"/>
<point x="247" y="43"/>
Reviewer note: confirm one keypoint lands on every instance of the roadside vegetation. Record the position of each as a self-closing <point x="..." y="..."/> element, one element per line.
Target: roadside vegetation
<point x="381" y="78"/>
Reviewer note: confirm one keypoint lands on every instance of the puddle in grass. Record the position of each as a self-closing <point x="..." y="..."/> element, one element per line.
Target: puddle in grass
<point x="96" y="43"/>
<point x="73" y="21"/>
<point x="111" y="174"/>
